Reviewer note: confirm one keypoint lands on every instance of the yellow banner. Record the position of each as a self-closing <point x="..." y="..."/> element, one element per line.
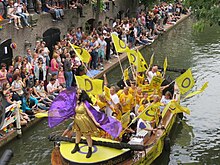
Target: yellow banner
<point x="107" y="93"/>
<point x="83" y="54"/>
<point x="185" y="81"/>
<point x="125" y="119"/>
<point x="198" y="91"/>
<point x="120" y="46"/>
<point x="147" y="88"/>
<point x="156" y="82"/>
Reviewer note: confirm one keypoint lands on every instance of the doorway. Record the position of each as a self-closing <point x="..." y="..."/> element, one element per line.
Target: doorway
<point x="51" y="37"/>
<point x="89" y="25"/>
<point x="6" y="53"/>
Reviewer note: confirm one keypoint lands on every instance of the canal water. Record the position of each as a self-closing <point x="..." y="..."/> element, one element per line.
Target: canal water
<point x="194" y="140"/>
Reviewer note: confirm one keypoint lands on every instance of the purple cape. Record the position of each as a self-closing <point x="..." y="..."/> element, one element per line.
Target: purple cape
<point x="63" y="107"/>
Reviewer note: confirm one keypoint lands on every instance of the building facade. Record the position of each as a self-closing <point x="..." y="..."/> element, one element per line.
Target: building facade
<point x="43" y="28"/>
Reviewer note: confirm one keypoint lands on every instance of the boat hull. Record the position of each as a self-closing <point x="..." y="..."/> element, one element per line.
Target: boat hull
<point x="101" y="154"/>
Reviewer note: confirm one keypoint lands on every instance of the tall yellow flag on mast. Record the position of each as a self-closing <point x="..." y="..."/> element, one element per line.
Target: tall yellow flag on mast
<point x="205" y="85"/>
<point x="164" y="66"/>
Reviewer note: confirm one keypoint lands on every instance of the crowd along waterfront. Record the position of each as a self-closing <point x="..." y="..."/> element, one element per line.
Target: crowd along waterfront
<point x="193" y="141"/>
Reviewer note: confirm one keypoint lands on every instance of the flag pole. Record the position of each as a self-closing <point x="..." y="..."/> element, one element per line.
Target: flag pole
<point x="122" y="71"/>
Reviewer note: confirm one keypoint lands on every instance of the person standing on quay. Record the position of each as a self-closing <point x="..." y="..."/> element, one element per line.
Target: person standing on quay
<point x="68" y="70"/>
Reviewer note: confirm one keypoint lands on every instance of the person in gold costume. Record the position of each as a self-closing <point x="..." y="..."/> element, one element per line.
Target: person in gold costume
<point x="84" y="122"/>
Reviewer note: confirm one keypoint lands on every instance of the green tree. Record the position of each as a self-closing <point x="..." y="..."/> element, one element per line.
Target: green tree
<point x="207" y="12"/>
<point x="99" y="5"/>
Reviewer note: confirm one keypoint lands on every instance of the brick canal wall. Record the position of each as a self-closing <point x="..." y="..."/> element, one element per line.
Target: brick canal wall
<point x="27" y="37"/>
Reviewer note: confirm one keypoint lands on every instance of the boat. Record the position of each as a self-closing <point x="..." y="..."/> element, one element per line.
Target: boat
<point x="141" y="149"/>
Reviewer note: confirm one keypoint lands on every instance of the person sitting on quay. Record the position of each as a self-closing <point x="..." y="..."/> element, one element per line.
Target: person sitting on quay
<point x="11" y="14"/>
<point x="30" y="104"/>
<point x="19" y="12"/>
<point x="3" y="74"/>
<point x="54" y="10"/>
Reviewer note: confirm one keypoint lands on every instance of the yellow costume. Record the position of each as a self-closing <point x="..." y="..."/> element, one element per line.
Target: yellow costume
<point x="82" y="121"/>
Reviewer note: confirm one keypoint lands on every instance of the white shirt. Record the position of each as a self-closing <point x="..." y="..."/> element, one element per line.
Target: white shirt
<point x="114" y="98"/>
<point x="164" y="100"/>
<point x="50" y="87"/>
<point x="102" y="44"/>
<point x="150" y="75"/>
<point x="19" y="7"/>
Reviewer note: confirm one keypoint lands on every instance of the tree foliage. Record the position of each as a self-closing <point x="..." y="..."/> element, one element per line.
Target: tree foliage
<point x="206" y="11"/>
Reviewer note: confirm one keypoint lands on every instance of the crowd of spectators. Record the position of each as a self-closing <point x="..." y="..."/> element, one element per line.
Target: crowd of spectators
<point x="17" y="11"/>
<point x="36" y="78"/>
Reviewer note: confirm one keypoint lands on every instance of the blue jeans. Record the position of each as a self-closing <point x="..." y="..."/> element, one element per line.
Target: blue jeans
<point x="69" y="78"/>
<point x="24" y="18"/>
<point x="94" y="59"/>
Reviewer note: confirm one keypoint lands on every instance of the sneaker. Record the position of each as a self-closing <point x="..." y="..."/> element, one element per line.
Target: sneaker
<point x="109" y="62"/>
<point x="20" y="26"/>
<point x="28" y="26"/>
<point x="16" y="27"/>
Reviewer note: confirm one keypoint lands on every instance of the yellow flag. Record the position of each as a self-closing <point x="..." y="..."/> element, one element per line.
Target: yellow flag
<point x="165" y="66"/>
<point x="93" y="86"/>
<point x="140" y="62"/>
<point x="156" y="82"/>
<point x="132" y="56"/>
<point x="150" y="113"/>
<point x="198" y="91"/>
<point x="107" y="93"/>
<point x="177" y="108"/>
<point x="135" y="57"/>
<point x="93" y="98"/>
<point x="83" y="54"/>
<point x="166" y="109"/>
<point x="125" y="74"/>
<point x="185" y="81"/>
<point x="120" y="46"/>
<point x="125" y="119"/>
<point x="80" y="81"/>
<point x="151" y="60"/>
